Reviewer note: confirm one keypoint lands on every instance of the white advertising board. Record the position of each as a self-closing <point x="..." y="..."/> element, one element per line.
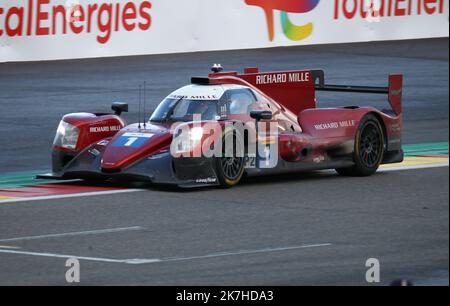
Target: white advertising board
<point x="63" y="29"/>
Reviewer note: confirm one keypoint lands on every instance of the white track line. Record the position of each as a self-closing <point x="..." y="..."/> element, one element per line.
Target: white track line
<point x="9" y="247"/>
<point x="94" y="232"/>
<point x="248" y="252"/>
<point x="75" y="195"/>
<point x="162" y="260"/>
<point x="52" y="255"/>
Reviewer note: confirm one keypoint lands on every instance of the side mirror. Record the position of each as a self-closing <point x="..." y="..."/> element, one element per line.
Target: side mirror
<point x="119" y="108"/>
<point x="261" y="115"/>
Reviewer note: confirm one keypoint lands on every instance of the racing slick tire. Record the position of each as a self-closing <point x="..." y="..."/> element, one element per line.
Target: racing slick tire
<point x="230" y="169"/>
<point x="369" y="148"/>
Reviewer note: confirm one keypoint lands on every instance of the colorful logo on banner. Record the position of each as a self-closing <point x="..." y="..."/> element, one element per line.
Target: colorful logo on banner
<point x="292" y="31"/>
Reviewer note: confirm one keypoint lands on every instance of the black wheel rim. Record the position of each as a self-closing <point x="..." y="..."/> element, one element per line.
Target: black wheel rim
<point x="371" y="147"/>
<point x="232" y="166"/>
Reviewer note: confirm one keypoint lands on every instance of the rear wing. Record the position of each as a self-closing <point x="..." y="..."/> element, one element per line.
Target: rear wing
<point x="394" y="89"/>
<point x="296" y="90"/>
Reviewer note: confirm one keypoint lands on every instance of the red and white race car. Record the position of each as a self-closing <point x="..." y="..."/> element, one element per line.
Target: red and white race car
<point x="227" y="125"/>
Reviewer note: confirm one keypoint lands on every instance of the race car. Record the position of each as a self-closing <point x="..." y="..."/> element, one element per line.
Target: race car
<point x="227" y="125"/>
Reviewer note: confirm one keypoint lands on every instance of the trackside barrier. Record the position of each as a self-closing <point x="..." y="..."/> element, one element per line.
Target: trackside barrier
<point x="63" y="29"/>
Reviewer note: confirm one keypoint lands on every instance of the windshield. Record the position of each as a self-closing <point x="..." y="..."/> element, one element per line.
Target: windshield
<point x="184" y="110"/>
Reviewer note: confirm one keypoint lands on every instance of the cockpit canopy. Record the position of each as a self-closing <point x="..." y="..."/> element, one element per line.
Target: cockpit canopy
<point x="205" y="102"/>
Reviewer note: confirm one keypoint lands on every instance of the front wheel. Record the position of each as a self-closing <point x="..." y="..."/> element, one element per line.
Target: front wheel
<point x="231" y="165"/>
<point x="369" y="148"/>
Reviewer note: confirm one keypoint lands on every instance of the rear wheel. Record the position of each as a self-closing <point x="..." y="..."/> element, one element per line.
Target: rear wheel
<point x="230" y="166"/>
<point x="369" y="148"/>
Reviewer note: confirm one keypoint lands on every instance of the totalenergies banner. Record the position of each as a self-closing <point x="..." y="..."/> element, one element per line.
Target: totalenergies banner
<point x="62" y="29"/>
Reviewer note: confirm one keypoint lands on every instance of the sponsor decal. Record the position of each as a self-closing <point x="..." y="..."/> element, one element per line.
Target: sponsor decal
<point x="103" y="143"/>
<point x="140" y="135"/>
<point x="368" y="9"/>
<point x="41" y="18"/>
<point x="326" y="126"/>
<point x="290" y="30"/>
<point x="207" y="97"/>
<point x="280" y="78"/>
<point x="104" y="129"/>
<point x="335" y="125"/>
<point x="209" y="180"/>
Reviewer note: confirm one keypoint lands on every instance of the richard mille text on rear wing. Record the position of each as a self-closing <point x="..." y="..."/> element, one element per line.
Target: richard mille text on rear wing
<point x="228" y="125"/>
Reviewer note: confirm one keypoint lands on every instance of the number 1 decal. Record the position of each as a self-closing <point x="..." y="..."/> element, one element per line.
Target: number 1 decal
<point x="130" y="141"/>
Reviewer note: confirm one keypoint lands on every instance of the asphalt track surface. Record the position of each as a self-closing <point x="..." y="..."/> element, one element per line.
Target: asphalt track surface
<point x="300" y="229"/>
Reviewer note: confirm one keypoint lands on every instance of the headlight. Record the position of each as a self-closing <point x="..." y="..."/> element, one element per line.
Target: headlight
<point x="66" y="136"/>
<point x="187" y="139"/>
<point x="196" y="134"/>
